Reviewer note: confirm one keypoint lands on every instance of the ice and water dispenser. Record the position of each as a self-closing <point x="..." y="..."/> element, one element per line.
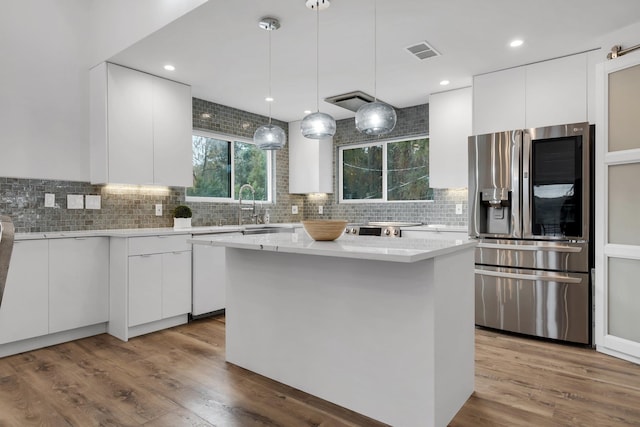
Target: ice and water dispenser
<point x="495" y="211"/>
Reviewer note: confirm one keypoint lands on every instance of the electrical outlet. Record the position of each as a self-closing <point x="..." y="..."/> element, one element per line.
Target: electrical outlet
<point x="159" y="209"/>
<point x="92" y="201"/>
<point x="459" y="209"/>
<point x="49" y="200"/>
<point x="294" y="209"/>
<point x="321" y="209"/>
<point x="75" y="201"/>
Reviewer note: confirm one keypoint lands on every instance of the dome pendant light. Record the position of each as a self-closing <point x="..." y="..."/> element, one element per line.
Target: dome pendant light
<point x="318" y="125"/>
<point x="269" y="137"/>
<point x="375" y="118"/>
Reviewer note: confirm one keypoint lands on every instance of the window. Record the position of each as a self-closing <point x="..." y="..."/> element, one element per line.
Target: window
<point x="385" y="171"/>
<point x="221" y="164"/>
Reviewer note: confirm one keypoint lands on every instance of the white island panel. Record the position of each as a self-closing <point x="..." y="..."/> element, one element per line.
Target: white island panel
<point x="391" y="340"/>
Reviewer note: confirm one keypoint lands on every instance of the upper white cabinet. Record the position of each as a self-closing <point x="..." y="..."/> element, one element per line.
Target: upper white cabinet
<point x="310" y="163"/>
<point x="499" y="101"/>
<point x="449" y="130"/>
<point x="140" y="128"/>
<point x="556" y="92"/>
<point x="543" y="94"/>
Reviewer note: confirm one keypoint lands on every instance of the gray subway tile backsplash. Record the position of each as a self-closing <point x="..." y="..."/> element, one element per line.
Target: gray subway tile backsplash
<point x="134" y="207"/>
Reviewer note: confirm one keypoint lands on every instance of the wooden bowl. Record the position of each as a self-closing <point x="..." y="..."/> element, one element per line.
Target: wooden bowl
<point x="324" y="229"/>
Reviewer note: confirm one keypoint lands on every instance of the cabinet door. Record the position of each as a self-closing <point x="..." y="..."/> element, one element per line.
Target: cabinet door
<point x="449" y="131"/>
<point x="25" y="305"/>
<point x="78" y="282"/>
<point x="176" y="283"/>
<point x="130" y="126"/>
<point x="209" y="275"/>
<point x="498" y="101"/>
<point x="145" y="289"/>
<point x="172" y="125"/>
<point x="310" y="163"/>
<point x="556" y="91"/>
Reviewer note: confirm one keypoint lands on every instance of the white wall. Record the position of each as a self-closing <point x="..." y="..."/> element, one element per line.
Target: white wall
<point x="117" y="24"/>
<point x="44" y="94"/>
<point x="47" y="47"/>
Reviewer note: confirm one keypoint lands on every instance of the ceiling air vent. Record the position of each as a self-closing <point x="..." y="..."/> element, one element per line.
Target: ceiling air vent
<point x="351" y="101"/>
<point x="423" y="50"/>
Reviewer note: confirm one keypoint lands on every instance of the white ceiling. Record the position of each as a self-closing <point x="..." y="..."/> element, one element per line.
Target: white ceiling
<point x="221" y="52"/>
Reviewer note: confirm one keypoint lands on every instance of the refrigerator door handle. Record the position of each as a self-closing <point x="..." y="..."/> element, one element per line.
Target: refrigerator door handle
<point x="572" y="249"/>
<point x="534" y="277"/>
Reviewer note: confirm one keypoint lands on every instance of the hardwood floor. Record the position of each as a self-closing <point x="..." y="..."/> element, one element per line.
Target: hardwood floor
<point x="178" y="377"/>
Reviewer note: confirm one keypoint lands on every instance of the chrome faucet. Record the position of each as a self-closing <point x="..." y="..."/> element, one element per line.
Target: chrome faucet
<point x="254" y="216"/>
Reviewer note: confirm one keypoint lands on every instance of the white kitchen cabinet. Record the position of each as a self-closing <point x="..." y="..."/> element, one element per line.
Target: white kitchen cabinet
<point x="449" y="129"/>
<point x="25" y="305"/>
<point x="556" y="92"/>
<point x="150" y="284"/>
<point x="140" y="128"/>
<point x="78" y="282"/>
<point x="209" y="277"/>
<point x="498" y="101"/>
<point x="145" y="289"/>
<point x="542" y="94"/>
<point x="176" y="283"/>
<point x="310" y="163"/>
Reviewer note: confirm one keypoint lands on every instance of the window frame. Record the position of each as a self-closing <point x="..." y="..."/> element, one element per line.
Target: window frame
<point x="232" y="139"/>
<point x="385" y="170"/>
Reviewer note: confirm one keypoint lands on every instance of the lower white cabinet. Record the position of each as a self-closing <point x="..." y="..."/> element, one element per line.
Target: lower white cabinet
<point x="78" y="282"/>
<point x="145" y="289"/>
<point x="25" y="305"/>
<point x="150" y="284"/>
<point x="209" y="277"/>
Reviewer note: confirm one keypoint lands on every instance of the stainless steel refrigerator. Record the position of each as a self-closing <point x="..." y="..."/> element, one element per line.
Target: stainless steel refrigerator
<point x="530" y="207"/>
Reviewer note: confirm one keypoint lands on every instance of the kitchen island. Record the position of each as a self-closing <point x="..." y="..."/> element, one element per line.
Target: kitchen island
<point x="384" y="327"/>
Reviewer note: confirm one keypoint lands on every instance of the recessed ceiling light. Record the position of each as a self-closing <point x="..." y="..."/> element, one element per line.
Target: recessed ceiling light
<point x="444" y="82"/>
<point x="169" y="67"/>
<point x="269" y="99"/>
<point x="307" y="111"/>
<point x="516" y="43"/>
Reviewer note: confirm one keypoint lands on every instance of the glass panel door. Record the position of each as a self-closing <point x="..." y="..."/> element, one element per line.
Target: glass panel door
<point x="556" y="187"/>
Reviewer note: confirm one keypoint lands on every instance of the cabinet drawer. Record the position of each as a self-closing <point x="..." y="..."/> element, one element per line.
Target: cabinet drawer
<point x="158" y="244"/>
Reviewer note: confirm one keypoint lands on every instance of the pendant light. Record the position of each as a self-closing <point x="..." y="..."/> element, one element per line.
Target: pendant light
<point x="318" y="125"/>
<point x="269" y="136"/>
<point x="375" y="118"/>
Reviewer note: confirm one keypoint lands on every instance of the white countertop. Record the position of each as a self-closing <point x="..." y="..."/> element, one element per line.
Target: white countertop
<point x="437" y="228"/>
<point x="141" y="232"/>
<point x="346" y="246"/>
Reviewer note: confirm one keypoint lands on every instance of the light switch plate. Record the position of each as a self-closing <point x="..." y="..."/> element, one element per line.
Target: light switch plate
<point x="92" y="201"/>
<point x="321" y="210"/>
<point x="49" y="200"/>
<point x="75" y="201"/>
<point x="159" y="209"/>
<point x="459" y="209"/>
<point x="294" y="209"/>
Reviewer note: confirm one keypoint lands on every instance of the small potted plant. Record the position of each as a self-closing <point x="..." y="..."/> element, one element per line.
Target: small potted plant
<point x="182" y="217"/>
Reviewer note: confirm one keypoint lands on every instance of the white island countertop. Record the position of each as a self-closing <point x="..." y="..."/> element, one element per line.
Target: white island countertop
<point x="346" y="246"/>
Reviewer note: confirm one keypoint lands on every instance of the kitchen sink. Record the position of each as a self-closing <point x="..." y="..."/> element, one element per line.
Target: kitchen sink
<point x="267" y="230"/>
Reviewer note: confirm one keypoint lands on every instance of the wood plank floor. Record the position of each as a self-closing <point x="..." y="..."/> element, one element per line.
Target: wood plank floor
<point x="178" y="377"/>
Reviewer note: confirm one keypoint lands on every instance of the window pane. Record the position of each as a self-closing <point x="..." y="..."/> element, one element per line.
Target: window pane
<point x="251" y="168"/>
<point x="408" y="170"/>
<point x="211" y="167"/>
<point x="362" y="173"/>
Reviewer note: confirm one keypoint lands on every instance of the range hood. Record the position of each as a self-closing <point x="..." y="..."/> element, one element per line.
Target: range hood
<point x="352" y="100"/>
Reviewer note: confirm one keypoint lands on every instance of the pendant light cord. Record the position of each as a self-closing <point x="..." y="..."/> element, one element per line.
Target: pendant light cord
<point x="375" y="50"/>
<point x="317" y="56"/>
<point x="270" y="102"/>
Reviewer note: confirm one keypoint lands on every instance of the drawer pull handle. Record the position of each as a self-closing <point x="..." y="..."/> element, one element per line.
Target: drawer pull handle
<point x="518" y="276"/>
<point x="530" y="247"/>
